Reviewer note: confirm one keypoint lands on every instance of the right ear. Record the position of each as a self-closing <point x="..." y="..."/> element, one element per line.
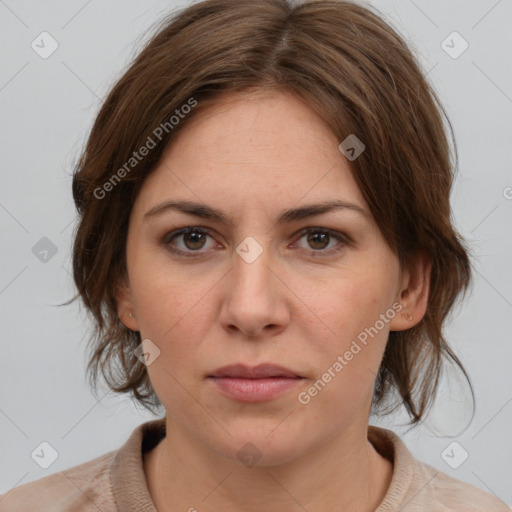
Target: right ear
<point x="125" y="306"/>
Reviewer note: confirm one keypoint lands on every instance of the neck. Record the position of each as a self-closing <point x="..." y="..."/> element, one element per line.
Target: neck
<point x="346" y="473"/>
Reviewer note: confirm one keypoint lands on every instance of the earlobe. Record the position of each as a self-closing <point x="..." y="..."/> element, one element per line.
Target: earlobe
<point x="413" y="296"/>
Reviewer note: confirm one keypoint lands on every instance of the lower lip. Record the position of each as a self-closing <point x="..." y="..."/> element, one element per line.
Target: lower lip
<point x="254" y="390"/>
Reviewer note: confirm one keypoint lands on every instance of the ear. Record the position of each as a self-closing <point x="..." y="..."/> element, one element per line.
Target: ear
<point x="125" y="305"/>
<point x="413" y="294"/>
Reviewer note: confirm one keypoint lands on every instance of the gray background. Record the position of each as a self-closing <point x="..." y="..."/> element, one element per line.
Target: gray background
<point x="47" y="109"/>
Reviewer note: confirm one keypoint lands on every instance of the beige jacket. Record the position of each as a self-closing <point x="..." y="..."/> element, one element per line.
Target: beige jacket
<point x="115" y="482"/>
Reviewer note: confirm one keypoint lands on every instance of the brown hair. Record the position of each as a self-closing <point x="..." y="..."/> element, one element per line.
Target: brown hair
<point x="359" y="75"/>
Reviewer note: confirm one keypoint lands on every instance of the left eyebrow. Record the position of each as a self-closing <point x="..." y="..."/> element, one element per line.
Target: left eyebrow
<point x="287" y="216"/>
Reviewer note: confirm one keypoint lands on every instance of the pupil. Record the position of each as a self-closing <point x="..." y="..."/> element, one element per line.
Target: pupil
<point x="323" y="237"/>
<point x="195" y="236"/>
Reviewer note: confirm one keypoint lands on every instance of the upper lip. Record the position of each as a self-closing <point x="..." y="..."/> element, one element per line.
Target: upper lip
<point x="260" y="371"/>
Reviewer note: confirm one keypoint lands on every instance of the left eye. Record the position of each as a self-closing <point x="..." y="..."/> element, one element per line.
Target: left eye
<point x="319" y="239"/>
<point x="194" y="239"/>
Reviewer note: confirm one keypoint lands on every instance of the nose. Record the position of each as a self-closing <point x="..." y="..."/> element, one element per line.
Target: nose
<point x="255" y="300"/>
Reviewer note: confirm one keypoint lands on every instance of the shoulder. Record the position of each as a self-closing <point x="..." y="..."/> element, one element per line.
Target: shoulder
<point x="114" y="481"/>
<point x="86" y="487"/>
<point x="417" y="486"/>
<point x="441" y="492"/>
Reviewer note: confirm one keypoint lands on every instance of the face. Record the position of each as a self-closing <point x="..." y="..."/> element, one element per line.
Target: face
<point x="249" y="287"/>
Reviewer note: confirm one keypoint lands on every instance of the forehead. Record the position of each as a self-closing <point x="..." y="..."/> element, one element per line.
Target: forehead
<point x="247" y="149"/>
<point x="256" y="124"/>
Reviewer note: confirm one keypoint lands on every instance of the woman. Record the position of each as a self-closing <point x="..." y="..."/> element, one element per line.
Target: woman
<point x="265" y="245"/>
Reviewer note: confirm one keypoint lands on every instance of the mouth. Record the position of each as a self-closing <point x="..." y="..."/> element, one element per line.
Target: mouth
<point x="254" y="384"/>
<point x="262" y="371"/>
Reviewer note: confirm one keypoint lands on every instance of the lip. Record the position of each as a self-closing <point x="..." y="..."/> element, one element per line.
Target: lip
<point x="261" y="371"/>
<point x="254" y="384"/>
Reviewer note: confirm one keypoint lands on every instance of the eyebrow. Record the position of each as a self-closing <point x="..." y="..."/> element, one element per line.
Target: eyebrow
<point x="204" y="211"/>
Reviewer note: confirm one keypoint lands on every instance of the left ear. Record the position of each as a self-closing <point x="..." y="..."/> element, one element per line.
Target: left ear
<point x="413" y="295"/>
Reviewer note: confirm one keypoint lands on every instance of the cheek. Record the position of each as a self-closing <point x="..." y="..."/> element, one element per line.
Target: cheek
<point x="356" y="333"/>
<point x="175" y="311"/>
<point x="173" y="317"/>
<point x="167" y="298"/>
<point x="345" y="308"/>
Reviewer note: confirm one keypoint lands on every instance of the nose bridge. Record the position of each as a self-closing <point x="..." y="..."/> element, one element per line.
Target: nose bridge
<point x="251" y="272"/>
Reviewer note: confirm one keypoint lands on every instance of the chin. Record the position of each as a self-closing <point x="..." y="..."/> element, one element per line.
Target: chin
<point x="260" y="442"/>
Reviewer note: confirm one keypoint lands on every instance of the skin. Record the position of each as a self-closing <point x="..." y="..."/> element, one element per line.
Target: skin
<point x="253" y="156"/>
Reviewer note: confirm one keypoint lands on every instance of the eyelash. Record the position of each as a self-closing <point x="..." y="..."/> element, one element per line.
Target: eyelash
<point x="344" y="239"/>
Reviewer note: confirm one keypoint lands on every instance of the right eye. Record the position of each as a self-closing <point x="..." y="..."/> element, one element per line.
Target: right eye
<point x="193" y="239"/>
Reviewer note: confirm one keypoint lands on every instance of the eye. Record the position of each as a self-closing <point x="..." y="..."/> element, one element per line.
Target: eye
<point x="193" y="238"/>
<point x="320" y="239"/>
